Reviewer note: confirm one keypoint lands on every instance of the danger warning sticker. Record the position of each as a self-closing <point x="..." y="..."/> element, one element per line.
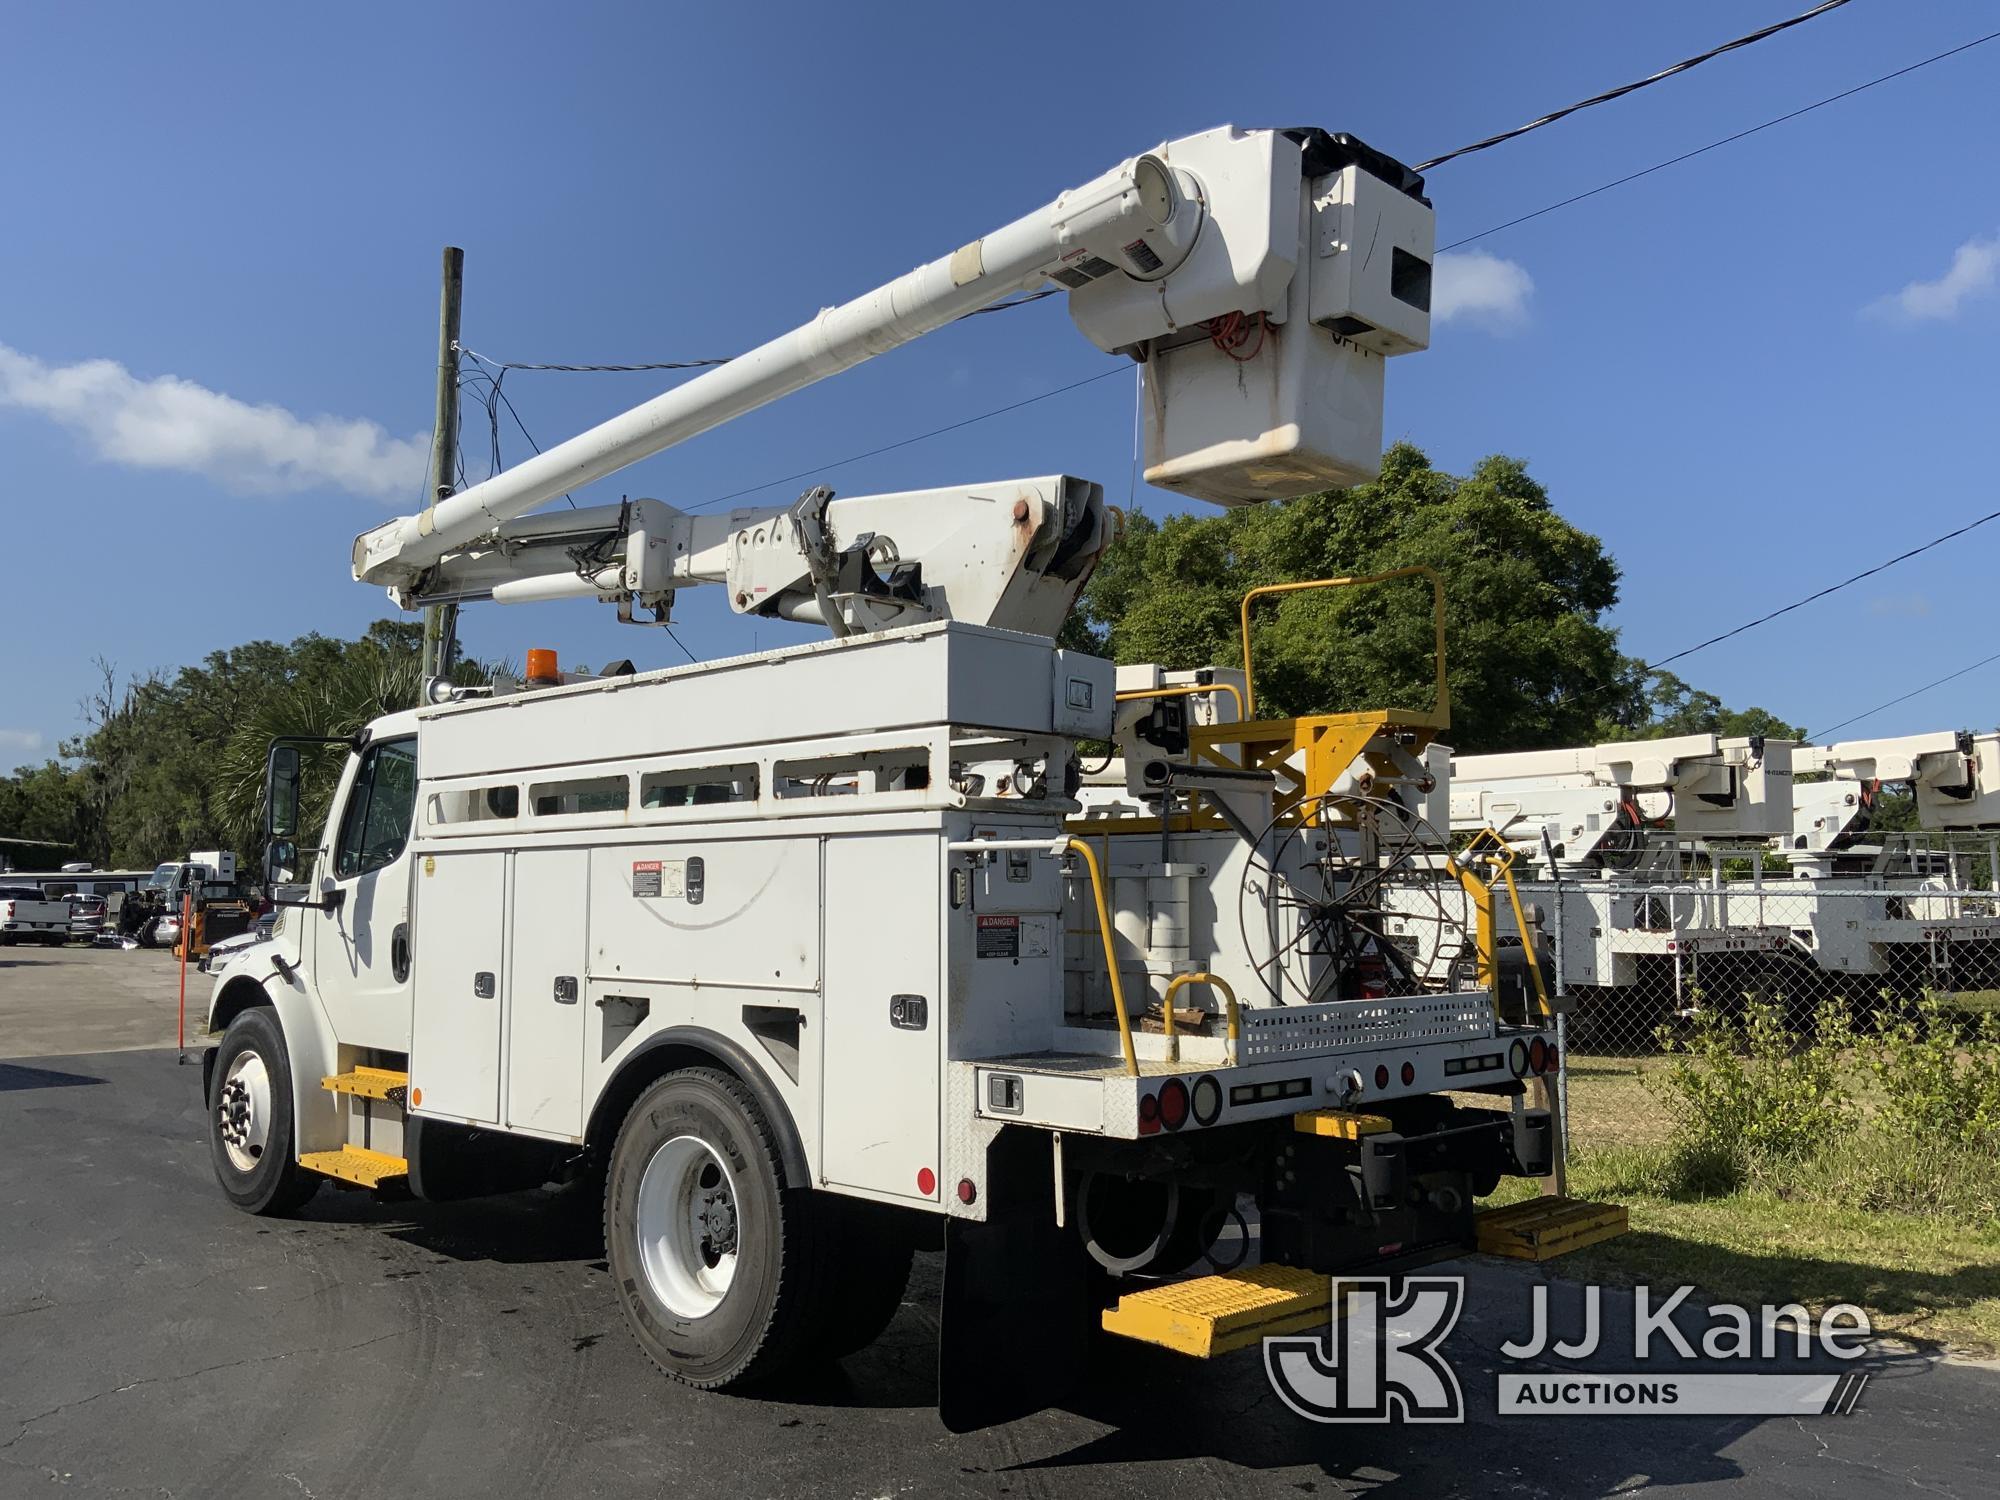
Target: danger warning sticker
<point x="662" y="877"/>
<point x="998" y="937"/>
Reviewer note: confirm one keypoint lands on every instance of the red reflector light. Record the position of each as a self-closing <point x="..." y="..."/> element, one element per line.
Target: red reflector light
<point x="1381" y="1075"/>
<point x="1538" y="1055"/>
<point x="1149" y="1115"/>
<point x="926" y="1181"/>
<point x="1173" y="1104"/>
<point x="966" y="1191"/>
<point x="1555" y="1058"/>
<point x="1409" y="1074"/>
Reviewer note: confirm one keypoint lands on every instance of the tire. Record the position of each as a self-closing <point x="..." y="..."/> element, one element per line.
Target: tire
<point x="250" y="1138"/>
<point x="868" y="1269"/>
<point x="718" y="1265"/>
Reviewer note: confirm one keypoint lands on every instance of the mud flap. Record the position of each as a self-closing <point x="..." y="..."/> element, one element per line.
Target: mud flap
<point x="1016" y="1318"/>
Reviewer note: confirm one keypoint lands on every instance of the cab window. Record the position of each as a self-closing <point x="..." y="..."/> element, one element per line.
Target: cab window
<point x="376" y="824"/>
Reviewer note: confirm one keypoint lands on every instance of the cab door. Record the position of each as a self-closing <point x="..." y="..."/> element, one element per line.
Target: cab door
<point x="361" y="954"/>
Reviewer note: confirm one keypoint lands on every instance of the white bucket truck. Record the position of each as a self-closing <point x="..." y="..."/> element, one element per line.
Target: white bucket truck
<point x="776" y="946"/>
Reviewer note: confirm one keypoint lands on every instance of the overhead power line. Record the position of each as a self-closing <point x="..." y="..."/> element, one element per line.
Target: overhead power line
<point x="1592" y="690"/>
<point x="1819" y="735"/>
<point x="998" y="411"/>
<point x="1832" y="588"/>
<point x="1727" y="140"/>
<point x="1630" y="88"/>
<point x="667" y="364"/>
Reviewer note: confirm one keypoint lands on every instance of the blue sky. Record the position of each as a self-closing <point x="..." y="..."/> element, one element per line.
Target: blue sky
<point x="1752" y="374"/>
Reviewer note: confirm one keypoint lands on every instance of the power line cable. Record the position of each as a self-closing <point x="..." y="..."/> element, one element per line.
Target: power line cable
<point x="1630" y="88"/>
<point x="1591" y="690"/>
<point x="1674" y="161"/>
<point x="1821" y="734"/>
<point x="1832" y="588"/>
<point x="998" y="411"/>
<point x="665" y="364"/>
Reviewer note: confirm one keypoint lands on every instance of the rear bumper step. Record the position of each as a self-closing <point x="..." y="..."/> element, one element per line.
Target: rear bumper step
<point x="1212" y="1315"/>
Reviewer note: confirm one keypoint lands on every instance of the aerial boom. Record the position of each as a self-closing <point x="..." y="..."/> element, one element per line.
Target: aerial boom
<point x="1312" y="245"/>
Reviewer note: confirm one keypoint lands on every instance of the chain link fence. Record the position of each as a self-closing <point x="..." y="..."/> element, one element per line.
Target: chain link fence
<point x="1632" y="958"/>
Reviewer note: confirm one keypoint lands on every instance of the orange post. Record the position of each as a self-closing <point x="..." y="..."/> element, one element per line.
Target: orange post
<point x="181" y="1024"/>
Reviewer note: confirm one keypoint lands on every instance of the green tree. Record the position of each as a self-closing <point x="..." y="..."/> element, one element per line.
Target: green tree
<point x="1529" y="661"/>
<point x="175" y="762"/>
<point x="1673" y="707"/>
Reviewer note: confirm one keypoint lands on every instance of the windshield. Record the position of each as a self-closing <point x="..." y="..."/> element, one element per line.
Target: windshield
<point x="162" y="878"/>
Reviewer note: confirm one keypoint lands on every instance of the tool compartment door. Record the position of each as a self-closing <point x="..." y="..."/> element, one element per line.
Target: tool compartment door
<point x="460" y="952"/>
<point x="549" y="945"/>
<point x="879" y="1096"/>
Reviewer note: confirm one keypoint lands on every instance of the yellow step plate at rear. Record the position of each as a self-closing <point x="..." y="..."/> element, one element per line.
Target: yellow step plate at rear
<point x="358" y="1165"/>
<point x="1212" y="1315"/>
<point x="1541" y="1228"/>
<point x="366" y="1083"/>
<point x="1341" y="1124"/>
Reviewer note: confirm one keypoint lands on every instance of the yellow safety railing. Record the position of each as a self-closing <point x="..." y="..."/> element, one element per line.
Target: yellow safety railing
<point x="1221" y="987"/>
<point x="1192" y="690"/>
<point x="1440" y="712"/>
<point x="1487" y="861"/>
<point x="1110" y="955"/>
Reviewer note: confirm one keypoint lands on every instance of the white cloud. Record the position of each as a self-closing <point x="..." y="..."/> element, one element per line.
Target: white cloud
<point x="170" y="423"/>
<point x="1480" y="289"/>
<point x="1975" y="266"/>
<point x="1912" y="606"/>
<point x="20" y="741"/>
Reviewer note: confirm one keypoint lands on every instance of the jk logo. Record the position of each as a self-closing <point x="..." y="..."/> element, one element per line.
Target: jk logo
<point x="1379" y="1361"/>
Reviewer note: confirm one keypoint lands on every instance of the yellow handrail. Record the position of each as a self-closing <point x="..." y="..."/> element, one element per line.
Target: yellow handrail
<point x="1110" y="955"/>
<point x="1489" y="850"/>
<point x="1221" y="986"/>
<point x="1190" y="691"/>
<point x="1440" y="714"/>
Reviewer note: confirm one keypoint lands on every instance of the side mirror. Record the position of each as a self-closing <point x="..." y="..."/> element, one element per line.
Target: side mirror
<point x="281" y="863"/>
<point x="281" y="793"/>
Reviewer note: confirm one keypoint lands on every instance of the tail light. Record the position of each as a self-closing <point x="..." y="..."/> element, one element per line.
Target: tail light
<point x="1554" y="1058"/>
<point x="1173" y="1104"/>
<point x="1517" y="1058"/>
<point x="1538" y="1055"/>
<point x="1409" y="1074"/>
<point x="1381" y="1075"/>
<point x="1149" y="1115"/>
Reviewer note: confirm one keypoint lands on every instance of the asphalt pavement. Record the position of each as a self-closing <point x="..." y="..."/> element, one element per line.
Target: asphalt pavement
<point x="154" y="1341"/>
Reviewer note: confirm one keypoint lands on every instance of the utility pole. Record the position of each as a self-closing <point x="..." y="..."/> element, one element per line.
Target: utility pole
<point x="441" y="620"/>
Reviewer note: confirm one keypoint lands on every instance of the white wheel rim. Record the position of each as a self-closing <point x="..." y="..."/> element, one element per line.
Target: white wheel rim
<point x="243" y="1111"/>
<point x="687" y="1229"/>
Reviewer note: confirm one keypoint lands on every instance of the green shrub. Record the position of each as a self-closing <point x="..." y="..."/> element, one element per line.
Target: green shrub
<point x="1750" y="1099"/>
<point x="1939" y="1076"/>
<point x="1756" y="1106"/>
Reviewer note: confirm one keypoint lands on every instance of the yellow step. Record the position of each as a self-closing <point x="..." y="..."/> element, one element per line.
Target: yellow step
<point x="1541" y="1228"/>
<point x="358" y="1165"/>
<point x="367" y="1083"/>
<point x="1341" y="1124"/>
<point x="1212" y="1315"/>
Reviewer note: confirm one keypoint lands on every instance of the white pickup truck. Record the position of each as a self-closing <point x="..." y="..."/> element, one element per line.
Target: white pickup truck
<point x="26" y="915"/>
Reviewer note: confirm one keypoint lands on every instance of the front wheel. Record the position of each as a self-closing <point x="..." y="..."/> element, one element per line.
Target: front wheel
<point x="717" y="1262"/>
<point x="250" y="1137"/>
